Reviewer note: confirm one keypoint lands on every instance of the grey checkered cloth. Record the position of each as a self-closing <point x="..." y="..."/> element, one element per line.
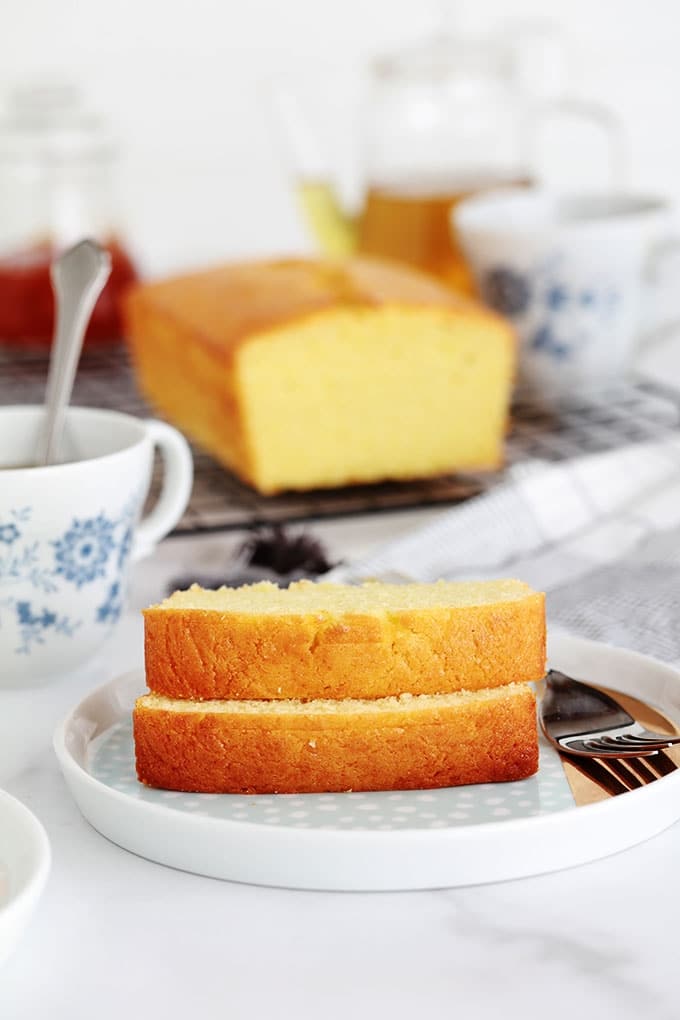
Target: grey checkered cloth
<point x="600" y="534"/>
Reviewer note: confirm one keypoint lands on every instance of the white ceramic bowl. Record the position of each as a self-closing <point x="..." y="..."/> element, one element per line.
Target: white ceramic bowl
<point x="24" y="866"/>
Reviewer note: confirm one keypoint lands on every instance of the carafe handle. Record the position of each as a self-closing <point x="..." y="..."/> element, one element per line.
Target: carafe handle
<point x="328" y="223"/>
<point x="601" y="117"/>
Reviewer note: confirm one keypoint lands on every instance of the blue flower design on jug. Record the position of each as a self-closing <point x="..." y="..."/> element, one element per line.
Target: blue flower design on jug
<point x="83" y="551"/>
<point x="559" y="310"/>
<point x="506" y="290"/>
<point x="125" y="546"/>
<point x="556" y="297"/>
<point x="569" y="318"/>
<point x="544" y="339"/>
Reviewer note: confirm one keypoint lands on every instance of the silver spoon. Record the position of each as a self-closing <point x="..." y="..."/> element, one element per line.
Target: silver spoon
<point x="78" y="278"/>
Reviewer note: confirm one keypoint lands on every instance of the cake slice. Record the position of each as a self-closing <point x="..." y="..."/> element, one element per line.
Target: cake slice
<point x="300" y="374"/>
<point x="374" y="640"/>
<point x="330" y="687"/>
<point x="291" y="746"/>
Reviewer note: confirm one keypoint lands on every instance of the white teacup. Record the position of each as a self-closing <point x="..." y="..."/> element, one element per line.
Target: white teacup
<point x="69" y="532"/>
<point x="571" y="273"/>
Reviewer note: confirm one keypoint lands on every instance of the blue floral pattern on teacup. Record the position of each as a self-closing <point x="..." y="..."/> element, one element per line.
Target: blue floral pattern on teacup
<point x="34" y="623"/>
<point x="112" y="606"/>
<point x="91" y="551"/>
<point x="83" y="551"/>
<point x="557" y="318"/>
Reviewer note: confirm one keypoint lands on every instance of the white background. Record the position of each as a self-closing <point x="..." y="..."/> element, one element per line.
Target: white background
<point x="202" y="177"/>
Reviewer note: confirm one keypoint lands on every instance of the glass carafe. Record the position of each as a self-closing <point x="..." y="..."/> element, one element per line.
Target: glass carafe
<point x="443" y="120"/>
<point x="442" y="124"/>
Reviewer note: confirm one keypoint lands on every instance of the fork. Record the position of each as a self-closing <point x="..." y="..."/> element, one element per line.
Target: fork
<point x="619" y="775"/>
<point x="582" y="721"/>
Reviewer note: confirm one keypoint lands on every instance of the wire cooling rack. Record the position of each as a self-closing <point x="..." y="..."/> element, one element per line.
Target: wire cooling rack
<point x="611" y="418"/>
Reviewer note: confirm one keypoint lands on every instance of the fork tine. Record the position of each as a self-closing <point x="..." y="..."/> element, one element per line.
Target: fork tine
<point x="640" y="748"/>
<point x="620" y="775"/>
<point x="592" y="768"/>
<point x="662" y="763"/>
<point x="649" y="768"/>
<point x="614" y="747"/>
<point x="658" y="738"/>
<point x="641" y="768"/>
<point x="630" y="740"/>
<point x="625" y="773"/>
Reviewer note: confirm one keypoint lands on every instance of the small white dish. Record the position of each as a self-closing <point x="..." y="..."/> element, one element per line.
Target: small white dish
<point x="417" y="839"/>
<point x="24" y="866"/>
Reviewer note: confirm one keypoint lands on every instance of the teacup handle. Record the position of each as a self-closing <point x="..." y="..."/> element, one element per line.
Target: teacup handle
<point x="659" y="252"/>
<point x="178" y="473"/>
<point x="594" y="113"/>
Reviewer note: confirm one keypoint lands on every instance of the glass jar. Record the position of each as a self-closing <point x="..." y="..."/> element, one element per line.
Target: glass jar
<point x="57" y="186"/>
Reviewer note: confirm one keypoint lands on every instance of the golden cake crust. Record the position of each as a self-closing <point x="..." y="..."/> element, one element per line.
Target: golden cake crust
<point x="475" y="739"/>
<point x="225" y="306"/>
<point x="203" y="654"/>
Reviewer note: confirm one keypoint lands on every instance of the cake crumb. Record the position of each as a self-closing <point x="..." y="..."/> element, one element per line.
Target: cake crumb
<point x="312" y="744"/>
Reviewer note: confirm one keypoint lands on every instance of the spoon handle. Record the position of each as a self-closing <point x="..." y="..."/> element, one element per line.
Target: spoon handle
<point x="78" y="278"/>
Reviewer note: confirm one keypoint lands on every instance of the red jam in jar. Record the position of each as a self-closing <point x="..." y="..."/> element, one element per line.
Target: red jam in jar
<point x="27" y="299"/>
<point x="58" y="186"/>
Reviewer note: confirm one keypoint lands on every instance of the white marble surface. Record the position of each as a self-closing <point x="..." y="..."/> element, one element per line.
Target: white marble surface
<point x="116" y="935"/>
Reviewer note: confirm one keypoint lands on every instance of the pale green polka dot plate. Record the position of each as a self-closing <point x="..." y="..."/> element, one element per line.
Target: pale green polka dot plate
<point x="111" y="761"/>
<point x="401" y="840"/>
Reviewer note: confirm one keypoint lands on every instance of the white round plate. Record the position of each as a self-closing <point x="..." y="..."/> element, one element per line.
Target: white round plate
<point x="24" y="866"/>
<point x="419" y="839"/>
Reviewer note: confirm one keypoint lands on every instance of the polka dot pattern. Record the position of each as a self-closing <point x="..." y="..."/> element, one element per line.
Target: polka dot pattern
<point x="112" y="763"/>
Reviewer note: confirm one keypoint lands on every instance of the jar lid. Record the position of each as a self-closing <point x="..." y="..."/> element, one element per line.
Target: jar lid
<point x="47" y="123"/>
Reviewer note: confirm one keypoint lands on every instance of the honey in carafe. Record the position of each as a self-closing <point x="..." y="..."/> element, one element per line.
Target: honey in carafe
<point x="411" y="222"/>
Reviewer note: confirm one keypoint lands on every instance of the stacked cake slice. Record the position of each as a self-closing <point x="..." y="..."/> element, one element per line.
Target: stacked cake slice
<point x="327" y="687"/>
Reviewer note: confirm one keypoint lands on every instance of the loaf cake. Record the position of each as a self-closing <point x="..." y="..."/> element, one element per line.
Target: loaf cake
<point x="303" y="374"/>
<point x="325" y="687"/>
